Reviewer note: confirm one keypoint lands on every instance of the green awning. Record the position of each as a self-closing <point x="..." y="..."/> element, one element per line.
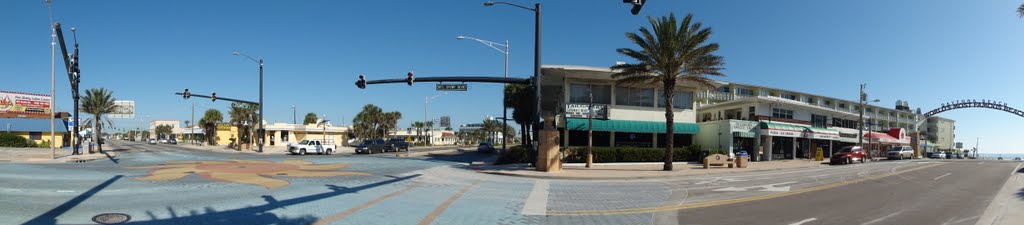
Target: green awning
<point x="632" y="126"/>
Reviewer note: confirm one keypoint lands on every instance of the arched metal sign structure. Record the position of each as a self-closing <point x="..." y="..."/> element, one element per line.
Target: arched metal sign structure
<point x="975" y="104"/>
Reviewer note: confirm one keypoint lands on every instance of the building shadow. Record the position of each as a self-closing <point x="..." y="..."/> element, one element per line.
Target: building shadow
<point x="261" y="214"/>
<point x="50" y="217"/>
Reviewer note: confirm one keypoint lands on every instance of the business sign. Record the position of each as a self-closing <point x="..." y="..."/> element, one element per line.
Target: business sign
<point x="123" y="109"/>
<point x="24" y="103"/>
<point x="959" y="145"/>
<point x="575" y="110"/>
<point x="799" y="134"/>
<point x="452" y="87"/>
<point x="446" y="121"/>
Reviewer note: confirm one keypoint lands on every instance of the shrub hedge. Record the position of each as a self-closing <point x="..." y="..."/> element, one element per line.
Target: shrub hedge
<point x="515" y="154"/>
<point x="12" y="140"/>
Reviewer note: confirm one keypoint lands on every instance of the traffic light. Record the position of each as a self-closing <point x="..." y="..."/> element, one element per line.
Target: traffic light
<point x="361" y="83"/>
<point x="637" y="4"/>
<point x="213" y="96"/>
<point x="186" y="94"/>
<point x="409" y="79"/>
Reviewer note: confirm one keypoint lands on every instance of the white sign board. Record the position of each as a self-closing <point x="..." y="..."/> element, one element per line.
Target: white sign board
<point x="123" y="109"/>
<point x="574" y="110"/>
<point x="24" y="103"/>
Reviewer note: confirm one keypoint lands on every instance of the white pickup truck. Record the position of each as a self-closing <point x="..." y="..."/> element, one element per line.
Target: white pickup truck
<point x="312" y="146"/>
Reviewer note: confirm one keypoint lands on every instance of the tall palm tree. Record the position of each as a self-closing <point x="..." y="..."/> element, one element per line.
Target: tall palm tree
<point x="243" y="116"/>
<point x="98" y="102"/>
<point x="428" y="126"/>
<point x="676" y="53"/>
<point x="389" y="122"/>
<point x="490" y="127"/>
<point x="419" y="128"/>
<point x="1020" y="11"/>
<point x="210" y="119"/>
<point x="519" y="97"/>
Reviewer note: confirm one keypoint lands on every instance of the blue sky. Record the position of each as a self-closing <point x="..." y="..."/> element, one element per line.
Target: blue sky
<point x="924" y="51"/>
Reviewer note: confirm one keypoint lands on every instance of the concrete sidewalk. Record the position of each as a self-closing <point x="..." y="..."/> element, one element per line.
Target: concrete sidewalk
<point x="1007" y="208"/>
<point x="620" y="171"/>
<point x="45" y="155"/>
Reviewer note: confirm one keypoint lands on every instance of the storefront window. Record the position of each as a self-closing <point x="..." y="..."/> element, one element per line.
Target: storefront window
<point x="680" y="100"/>
<point x="634" y="96"/>
<point x="634" y="139"/>
<point x="580" y="93"/>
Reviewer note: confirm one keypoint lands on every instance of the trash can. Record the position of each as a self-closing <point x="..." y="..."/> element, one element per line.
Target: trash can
<point x="742" y="158"/>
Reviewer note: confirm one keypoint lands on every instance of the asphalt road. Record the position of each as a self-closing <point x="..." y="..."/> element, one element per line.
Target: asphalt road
<point x="954" y="192"/>
<point x="168" y="184"/>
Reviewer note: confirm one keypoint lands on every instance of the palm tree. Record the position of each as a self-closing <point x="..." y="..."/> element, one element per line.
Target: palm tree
<point x="490" y="127"/>
<point x="419" y="128"/>
<point x="210" y="119"/>
<point x="243" y="116"/>
<point x="676" y="53"/>
<point x="310" y="118"/>
<point x="1020" y="11"/>
<point x="98" y="102"/>
<point x="429" y="125"/>
<point x="519" y="97"/>
<point x="366" y="123"/>
<point x="162" y="130"/>
<point x="389" y="122"/>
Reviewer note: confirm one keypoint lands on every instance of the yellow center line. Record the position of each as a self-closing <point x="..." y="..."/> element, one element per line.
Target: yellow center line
<point x="723" y="202"/>
<point x="348" y="212"/>
<point x="444" y="206"/>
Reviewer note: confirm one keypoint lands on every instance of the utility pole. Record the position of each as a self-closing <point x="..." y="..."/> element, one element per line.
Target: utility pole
<point x="53" y="80"/>
<point x="860" y="124"/>
<point x="190" y="130"/>
<point x="590" y="127"/>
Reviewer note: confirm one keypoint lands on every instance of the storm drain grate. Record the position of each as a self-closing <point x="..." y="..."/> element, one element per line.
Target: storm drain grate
<point x="111" y="218"/>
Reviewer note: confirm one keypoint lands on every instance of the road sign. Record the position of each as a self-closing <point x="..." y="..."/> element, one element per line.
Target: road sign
<point x="452" y="87"/>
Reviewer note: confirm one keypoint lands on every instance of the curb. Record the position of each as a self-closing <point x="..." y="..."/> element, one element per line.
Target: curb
<point x="500" y="173"/>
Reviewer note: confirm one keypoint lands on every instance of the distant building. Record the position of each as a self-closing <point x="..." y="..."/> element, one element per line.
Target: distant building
<point x="941" y="131"/>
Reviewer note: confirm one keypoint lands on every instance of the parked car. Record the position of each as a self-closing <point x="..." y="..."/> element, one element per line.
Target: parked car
<point x="1000" y="158"/>
<point x="949" y="156"/>
<point x="169" y="141"/>
<point x="370" y="146"/>
<point x="1016" y="159"/>
<point x="485" y="147"/>
<point x="163" y="141"/>
<point x="848" y="155"/>
<point x="152" y="141"/>
<point x="900" y="152"/>
<point x="939" y="155"/>
<point x="312" y="146"/>
<point x="396" y="144"/>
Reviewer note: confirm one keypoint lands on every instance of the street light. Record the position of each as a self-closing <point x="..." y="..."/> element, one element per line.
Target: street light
<point x="504" y="122"/>
<point x="863" y="99"/>
<point x="536" y="72"/>
<point x="260" y="122"/>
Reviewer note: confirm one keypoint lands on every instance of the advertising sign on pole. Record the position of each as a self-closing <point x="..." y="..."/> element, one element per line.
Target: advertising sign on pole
<point x="22" y="104"/>
<point x="574" y="110"/>
<point x="123" y="109"/>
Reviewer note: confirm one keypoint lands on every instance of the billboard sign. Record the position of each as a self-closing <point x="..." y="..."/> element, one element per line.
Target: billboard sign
<point x="446" y="121"/>
<point x="123" y="109"/>
<point x="573" y="110"/>
<point x="24" y="103"/>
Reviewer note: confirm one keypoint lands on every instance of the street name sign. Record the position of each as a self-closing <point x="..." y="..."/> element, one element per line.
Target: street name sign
<point x="452" y="87"/>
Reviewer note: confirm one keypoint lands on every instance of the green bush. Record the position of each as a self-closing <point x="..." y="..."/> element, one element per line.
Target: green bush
<point x="515" y="154"/>
<point x="12" y="140"/>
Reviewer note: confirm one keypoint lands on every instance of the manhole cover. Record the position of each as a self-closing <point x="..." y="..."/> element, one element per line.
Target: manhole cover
<point x="111" y="218"/>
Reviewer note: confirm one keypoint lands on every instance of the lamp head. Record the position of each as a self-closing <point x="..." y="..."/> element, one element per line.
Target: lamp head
<point x="236" y="53"/>
<point x="488" y="3"/>
<point x="460" y="37"/>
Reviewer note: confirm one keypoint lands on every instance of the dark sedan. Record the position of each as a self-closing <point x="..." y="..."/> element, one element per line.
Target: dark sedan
<point x="371" y="146"/>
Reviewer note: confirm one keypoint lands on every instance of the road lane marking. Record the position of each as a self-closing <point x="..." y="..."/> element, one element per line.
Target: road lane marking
<point x="65" y="191"/>
<point x="602" y="212"/>
<point x="804" y="221"/>
<point x="440" y="208"/>
<point x="766" y="187"/>
<point x="1015" y="169"/>
<point x="883" y="218"/>
<point x="348" y="212"/>
<point x="981" y="163"/>
<point x="537" y="201"/>
<point x="944" y="175"/>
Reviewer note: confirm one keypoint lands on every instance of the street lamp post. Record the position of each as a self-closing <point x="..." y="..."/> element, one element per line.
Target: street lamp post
<point x="536" y="73"/>
<point x="504" y="121"/>
<point x="294" y="118"/>
<point x="259" y="131"/>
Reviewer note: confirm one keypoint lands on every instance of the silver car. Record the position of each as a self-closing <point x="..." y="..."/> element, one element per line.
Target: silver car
<point x="901" y="152"/>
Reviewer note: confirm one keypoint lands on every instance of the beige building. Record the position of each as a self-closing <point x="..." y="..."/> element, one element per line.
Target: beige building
<point x="625" y="115"/>
<point x="175" y="128"/>
<point x="940" y="131"/>
<point x="436" y="137"/>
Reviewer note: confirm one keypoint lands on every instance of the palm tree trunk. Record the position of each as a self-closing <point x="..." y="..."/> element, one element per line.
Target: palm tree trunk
<point x="95" y="132"/>
<point x="669" y="123"/>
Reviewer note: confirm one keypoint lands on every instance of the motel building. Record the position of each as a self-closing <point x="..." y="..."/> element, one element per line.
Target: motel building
<point x="626" y="115"/>
<point x="277" y="134"/>
<point x="775" y="124"/>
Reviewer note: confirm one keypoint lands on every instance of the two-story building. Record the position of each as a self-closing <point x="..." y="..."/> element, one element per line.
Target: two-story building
<point x="625" y="115"/>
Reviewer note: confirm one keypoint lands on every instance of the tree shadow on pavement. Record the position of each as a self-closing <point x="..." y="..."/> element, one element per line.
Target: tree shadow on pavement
<point x="261" y="214"/>
<point x="50" y="217"/>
